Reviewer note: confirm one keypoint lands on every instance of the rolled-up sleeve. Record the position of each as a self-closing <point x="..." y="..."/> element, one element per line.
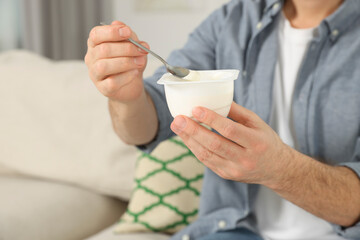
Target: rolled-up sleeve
<point x="197" y="54"/>
<point x="352" y="232"/>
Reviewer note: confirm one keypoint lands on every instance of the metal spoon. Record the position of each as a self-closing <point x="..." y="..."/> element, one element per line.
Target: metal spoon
<point x="177" y="71"/>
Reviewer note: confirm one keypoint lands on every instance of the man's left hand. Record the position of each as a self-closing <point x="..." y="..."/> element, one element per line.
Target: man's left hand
<point x="248" y="150"/>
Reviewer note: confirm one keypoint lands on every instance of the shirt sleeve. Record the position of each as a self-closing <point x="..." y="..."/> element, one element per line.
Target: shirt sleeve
<point x="199" y="53"/>
<point x="354" y="231"/>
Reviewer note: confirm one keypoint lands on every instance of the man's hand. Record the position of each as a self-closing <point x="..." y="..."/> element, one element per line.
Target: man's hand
<point x="248" y="150"/>
<point x="116" y="65"/>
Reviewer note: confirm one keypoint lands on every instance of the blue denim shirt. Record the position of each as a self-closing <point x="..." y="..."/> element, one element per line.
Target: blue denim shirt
<point x="326" y="103"/>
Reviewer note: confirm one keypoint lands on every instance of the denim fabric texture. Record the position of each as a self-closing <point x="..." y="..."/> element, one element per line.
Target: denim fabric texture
<point x="234" y="234"/>
<point x="326" y="103"/>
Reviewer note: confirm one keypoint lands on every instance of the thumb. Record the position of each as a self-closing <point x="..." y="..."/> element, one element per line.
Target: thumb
<point x="117" y="23"/>
<point x="133" y="34"/>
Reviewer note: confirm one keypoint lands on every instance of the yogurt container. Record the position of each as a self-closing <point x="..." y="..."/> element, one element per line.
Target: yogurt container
<point x="213" y="89"/>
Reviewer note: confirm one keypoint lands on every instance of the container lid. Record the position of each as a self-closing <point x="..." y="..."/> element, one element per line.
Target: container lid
<point x="196" y="77"/>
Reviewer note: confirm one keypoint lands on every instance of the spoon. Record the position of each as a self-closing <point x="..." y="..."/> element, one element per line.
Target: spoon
<point x="176" y="71"/>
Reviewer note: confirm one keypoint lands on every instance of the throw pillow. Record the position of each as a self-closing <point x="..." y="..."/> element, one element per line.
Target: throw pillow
<point x="167" y="190"/>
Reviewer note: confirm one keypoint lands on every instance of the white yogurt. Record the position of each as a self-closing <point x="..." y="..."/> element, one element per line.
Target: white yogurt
<point x="211" y="89"/>
<point x="193" y="76"/>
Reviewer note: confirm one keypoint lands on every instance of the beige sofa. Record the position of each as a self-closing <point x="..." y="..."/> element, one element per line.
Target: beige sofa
<point x="64" y="174"/>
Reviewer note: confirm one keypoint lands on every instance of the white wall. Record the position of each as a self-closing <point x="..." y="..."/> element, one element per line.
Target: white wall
<point x="9" y="24"/>
<point x="164" y="30"/>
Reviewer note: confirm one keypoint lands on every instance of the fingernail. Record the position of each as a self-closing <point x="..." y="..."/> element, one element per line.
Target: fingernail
<point x="123" y="32"/>
<point x="139" y="60"/>
<point x="179" y="124"/>
<point x="198" y="113"/>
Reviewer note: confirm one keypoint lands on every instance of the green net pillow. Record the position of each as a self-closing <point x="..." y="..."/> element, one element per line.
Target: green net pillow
<point x="166" y="192"/>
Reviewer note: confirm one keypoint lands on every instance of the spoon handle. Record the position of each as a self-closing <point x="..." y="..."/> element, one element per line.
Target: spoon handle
<point x="149" y="51"/>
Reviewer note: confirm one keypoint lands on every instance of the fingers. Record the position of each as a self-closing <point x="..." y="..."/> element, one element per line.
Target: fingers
<point x="214" y="151"/>
<point x="122" y="49"/>
<point x="109" y="66"/>
<point x="234" y="131"/>
<point x="212" y="141"/>
<point x="116" y="65"/>
<point x="116" y="32"/>
<point x="208" y="158"/>
<point x="117" y="23"/>
<point x="244" y="116"/>
<point x="108" y="33"/>
<point x="133" y="34"/>
<point x="108" y="44"/>
<point x="112" y="84"/>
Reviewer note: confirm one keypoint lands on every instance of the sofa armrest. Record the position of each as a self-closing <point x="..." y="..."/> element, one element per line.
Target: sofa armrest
<point x="42" y="210"/>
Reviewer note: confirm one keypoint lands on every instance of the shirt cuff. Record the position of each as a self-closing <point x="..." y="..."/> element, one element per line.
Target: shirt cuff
<point x="352" y="232"/>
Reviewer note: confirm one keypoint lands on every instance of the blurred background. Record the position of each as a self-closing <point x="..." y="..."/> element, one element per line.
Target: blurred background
<point x="58" y="29"/>
<point x="60" y="160"/>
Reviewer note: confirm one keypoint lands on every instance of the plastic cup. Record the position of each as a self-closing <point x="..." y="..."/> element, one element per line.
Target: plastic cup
<point x="214" y="90"/>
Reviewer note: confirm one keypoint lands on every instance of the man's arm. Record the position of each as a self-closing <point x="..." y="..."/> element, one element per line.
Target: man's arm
<point x="329" y="192"/>
<point x="136" y="122"/>
<point x="248" y="150"/>
<point x="116" y="67"/>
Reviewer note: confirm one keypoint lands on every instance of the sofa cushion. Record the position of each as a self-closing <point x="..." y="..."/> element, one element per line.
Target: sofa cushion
<point x="55" y="125"/>
<point x="167" y="188"/>
<point x="36" y="209"/>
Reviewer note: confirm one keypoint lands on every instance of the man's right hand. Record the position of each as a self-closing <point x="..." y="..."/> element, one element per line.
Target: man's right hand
<point x="115" y="65"/>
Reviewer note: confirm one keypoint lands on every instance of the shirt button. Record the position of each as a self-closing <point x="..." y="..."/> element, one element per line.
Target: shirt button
<point x="221" y="224"/>
<point x="335" y="32"/>
<point x="244" y="73"/>
<point x="185" y="237"/>
<point x="276" y="6"/>
<point x="259" y="25"/>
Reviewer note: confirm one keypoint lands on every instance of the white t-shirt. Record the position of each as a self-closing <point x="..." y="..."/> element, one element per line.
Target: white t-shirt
<point x="277" y="218"/>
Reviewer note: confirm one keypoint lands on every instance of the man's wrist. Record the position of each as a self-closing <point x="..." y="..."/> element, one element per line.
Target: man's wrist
<point x="129" y="109"/>
<point x="292" y="168"/>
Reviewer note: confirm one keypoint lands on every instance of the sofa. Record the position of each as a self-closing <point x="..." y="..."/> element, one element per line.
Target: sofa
<point x="64" y="174"/>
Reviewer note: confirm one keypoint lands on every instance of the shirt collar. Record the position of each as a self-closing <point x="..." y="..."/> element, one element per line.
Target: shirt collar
<point x="334" y="25"/>
<point x="270" y="6"/>
<point x="338" y="22"/>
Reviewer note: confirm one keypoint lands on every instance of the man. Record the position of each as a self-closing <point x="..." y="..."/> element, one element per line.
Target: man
<point x="299" y="61"/>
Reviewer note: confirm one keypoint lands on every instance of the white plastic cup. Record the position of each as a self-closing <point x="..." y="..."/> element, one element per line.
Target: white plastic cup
<point x="214" y="90"/>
